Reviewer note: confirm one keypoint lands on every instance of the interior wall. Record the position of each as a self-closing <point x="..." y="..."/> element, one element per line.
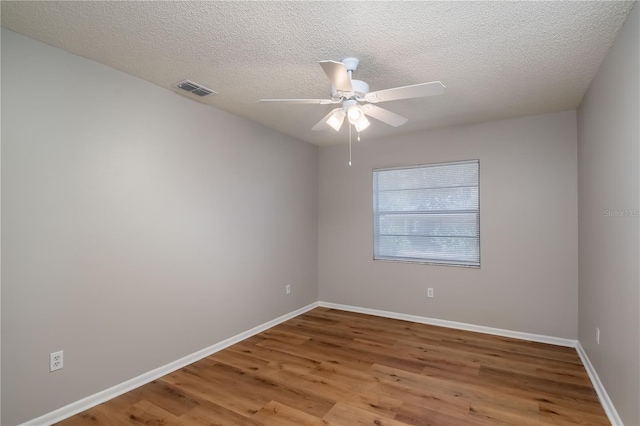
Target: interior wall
<point x="528" y="279"/>
<point x="609" y="205"/>
<point x="138" y="226"/>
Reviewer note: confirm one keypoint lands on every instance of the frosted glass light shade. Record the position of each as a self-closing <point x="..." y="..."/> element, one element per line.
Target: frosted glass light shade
<point x="336" y="119"/>
<point x="362" y="124"/>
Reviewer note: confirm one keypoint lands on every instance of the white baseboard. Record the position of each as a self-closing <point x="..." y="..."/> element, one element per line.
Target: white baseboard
<point x="609" y="409"/>
<point x="107" y="394"/>
<point x="453" y="324"/>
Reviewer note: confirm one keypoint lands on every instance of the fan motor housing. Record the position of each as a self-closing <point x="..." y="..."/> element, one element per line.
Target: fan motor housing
<point x="360" y="88"/>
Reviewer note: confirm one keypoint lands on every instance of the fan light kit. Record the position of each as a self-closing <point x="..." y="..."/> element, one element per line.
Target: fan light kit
<point x="356" y="100"/>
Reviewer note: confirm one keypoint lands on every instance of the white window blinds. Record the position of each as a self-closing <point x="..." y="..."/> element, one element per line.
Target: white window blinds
<point x="428" y="214"/>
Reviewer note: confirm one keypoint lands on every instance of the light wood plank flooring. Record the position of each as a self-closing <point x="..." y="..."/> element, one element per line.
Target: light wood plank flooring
<point x="329" y="367"/>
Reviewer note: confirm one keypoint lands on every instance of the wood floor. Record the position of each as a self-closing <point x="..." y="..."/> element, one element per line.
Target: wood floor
<point x="330" y="367"/>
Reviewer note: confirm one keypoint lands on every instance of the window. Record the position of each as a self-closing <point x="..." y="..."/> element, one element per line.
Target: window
<point x="428" y="214"/>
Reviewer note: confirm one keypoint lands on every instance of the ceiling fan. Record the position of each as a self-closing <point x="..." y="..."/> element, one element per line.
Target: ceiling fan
<point x="356" y="100"/>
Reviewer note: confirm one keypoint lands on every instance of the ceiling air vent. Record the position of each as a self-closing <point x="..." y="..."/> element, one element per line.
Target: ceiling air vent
<point x="194" y="88"/>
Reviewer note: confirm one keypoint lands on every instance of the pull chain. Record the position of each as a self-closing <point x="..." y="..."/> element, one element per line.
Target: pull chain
<point x="349" y="145"/>
<point x="358" y="135"/>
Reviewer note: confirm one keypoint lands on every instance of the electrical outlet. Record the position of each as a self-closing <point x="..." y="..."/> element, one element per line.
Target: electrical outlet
<point x="429" y="292"/>
<point x="56" y="361"/>
<point x="288" y="289"/>
<point x="597" y="335"/>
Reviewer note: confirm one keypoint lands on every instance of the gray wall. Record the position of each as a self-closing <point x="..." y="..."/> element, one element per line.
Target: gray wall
<point x="138" y="226"/>
<point x="609" y="179"/>
<point x="528" y="280"/>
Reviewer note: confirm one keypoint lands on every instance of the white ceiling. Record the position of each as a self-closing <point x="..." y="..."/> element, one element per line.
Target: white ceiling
<point x="497" y="59"/>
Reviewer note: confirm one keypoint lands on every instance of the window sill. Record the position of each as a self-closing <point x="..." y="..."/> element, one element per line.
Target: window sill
<point x="426" y="262"/>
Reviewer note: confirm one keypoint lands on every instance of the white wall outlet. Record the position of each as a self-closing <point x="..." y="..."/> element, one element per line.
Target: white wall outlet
<point x="429" y="292"/>
<point x="287" y="289"/>
<point x="56" y="361"/>
<point x="597" y="335"/>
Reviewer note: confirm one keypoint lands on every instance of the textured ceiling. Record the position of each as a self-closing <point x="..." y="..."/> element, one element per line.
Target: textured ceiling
<point x="497" y="59"/>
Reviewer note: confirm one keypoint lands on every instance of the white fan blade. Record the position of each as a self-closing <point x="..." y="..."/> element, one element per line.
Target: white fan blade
<point x="302" y="101"/>
<point x="322" y="124"/>
<point x="406" y="92"/>
<point x="338" y="75"/>
<point x="388" y="117"/>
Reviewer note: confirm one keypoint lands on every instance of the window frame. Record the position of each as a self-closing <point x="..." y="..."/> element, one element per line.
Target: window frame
<point x="416" y="260"/>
